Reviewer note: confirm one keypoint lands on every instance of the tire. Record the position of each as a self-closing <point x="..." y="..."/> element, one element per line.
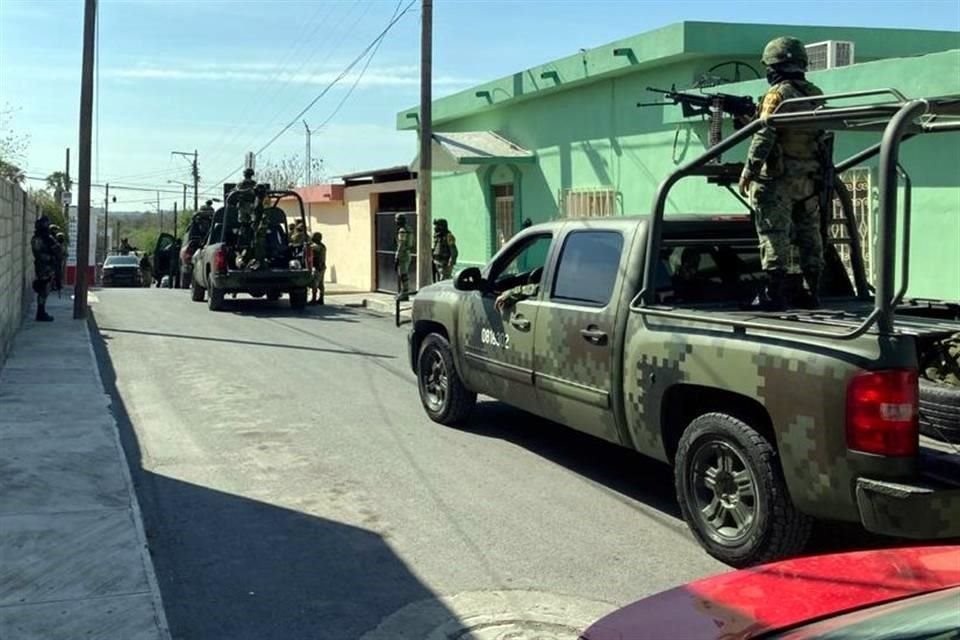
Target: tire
<point x="771" y="526"/>
<point x="274" y="295"/>
<point x="940" y="411"/>
<point x="298" y="299"/>
<point x="197" y="292"/>
<point x="215" y="299"/>
<point x="442" y="393"/>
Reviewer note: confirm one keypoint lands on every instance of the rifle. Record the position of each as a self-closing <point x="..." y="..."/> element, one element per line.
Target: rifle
<point x="713" y="105"/>
<point x="826" y="186"/>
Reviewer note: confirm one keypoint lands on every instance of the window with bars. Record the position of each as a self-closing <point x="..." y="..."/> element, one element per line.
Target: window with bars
<point x="503" y="213"/>
<point x="859" y="182"/>
<point x="588" y="203"/>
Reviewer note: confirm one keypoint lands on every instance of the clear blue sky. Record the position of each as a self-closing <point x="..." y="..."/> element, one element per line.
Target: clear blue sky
<point x="224" y="76"/>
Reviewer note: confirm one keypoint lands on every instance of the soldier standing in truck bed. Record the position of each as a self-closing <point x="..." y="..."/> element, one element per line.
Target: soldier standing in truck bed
<point x="780" y="177"/>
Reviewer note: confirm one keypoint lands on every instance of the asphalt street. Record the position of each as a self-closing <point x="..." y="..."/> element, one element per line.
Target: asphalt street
<point x="292" y="486"/>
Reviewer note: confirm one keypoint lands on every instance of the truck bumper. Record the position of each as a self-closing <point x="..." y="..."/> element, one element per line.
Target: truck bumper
<point x="927" y="508"/>
<point x="264" y="279"/>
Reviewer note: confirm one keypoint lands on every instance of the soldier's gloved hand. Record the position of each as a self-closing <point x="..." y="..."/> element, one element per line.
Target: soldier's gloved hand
<point x="745" y="186"/>
<point x="500" y="302"/>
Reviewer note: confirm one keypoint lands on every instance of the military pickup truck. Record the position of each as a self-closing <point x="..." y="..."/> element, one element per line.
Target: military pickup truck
<point x="638" y="330"/>
<point x="229" y="263"/>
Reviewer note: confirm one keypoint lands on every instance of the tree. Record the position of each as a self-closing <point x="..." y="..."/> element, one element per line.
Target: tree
<point x="287" y="173"/>
<point x="59" y="182"/>
<point x="13" y="145"/>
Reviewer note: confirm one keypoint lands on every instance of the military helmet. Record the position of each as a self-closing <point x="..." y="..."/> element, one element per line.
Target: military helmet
<point x="400" y="219"/>
<point x="248" y="174"/>
<point x="317" y="237"/>
<point x="42" y="224"/>
<point x="54" y="228"/>
<point x="61" y="237"/>
<point x="783" y="51"/>
<point x="209" y="203"/>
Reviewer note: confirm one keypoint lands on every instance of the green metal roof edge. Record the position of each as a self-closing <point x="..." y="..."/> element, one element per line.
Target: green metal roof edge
<point x="682" y="40"/>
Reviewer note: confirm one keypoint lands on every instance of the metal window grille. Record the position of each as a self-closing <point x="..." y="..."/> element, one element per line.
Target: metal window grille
<point x="859" y="182"/>
<point x="588" y="203"/>
<point x="503" y="213"/>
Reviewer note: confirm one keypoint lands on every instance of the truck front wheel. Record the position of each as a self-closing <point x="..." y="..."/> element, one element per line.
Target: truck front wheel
<point x="442" y="393"/>
<point x="733" y="495"/>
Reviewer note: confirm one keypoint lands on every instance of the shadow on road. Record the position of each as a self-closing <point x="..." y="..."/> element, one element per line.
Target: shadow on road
<point x="626" y="472"/>
<point x="230" y="567"/>
<point x="631" y="474"/>
<point x="251" y="343"/>
<point x="262" y="308"/>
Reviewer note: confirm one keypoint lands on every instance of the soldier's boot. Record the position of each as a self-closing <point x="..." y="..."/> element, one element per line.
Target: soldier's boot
<point x="321" y="300"/>
<point x="313" y="300"/>
<point x="813" y="282"/>
<point x="42" y="315"/>
<point x="772" y="297"/>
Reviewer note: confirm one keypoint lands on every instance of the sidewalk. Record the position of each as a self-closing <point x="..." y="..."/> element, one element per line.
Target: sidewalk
<point x="73" y="556"/>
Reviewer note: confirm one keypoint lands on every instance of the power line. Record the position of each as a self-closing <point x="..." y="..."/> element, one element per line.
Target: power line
<point x="114" y="186"/>
<point x="329" y="86"/>
<point x="226" y="140"/>
<point x="349" y="92"/>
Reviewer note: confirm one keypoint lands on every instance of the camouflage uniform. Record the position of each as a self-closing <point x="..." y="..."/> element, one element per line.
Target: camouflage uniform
<point x="444" y="251"/>
<point x="46" y="260"/>
<point x="146" y="270"/>
<point x="782" y="170"/>
<point x="512" y="296"/>
<point x="319" y="251"/>
<point x="402" y="256"/>
<point x="299" y="234"/>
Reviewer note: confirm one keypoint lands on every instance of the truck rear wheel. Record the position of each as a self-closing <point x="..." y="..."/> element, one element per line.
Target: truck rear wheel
<point x="733" y="495"/>
<point x="197" y="292"/>
<point x="215" y="298"/>
<point x="298" y="299"/>
<point x="442" y="393"/>
<point x="273" y="294"/>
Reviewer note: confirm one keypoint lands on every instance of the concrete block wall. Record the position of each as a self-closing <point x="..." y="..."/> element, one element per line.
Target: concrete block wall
<point x="17" y="213"/>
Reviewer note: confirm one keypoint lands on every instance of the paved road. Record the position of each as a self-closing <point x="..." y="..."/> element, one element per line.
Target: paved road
<point x="293" y="488"/>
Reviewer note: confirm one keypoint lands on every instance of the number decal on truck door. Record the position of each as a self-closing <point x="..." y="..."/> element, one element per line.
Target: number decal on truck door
<point x="497" y="339"/>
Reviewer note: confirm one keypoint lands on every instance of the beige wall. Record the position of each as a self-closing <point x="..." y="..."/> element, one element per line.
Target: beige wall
<point x="347" y="229"/>
<point x="17" y="214"/>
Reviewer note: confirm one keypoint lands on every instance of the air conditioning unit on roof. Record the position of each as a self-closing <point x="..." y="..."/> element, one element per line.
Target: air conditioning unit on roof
<point x="829" y="54"/>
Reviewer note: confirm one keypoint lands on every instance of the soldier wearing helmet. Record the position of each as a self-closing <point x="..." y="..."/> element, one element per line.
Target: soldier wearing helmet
<point x="401" y="258"/>
<point x="319" y="251"/>
<point x="46" y="260"/>
<point x="780" y="176"/>
<point x="444" y="250"/>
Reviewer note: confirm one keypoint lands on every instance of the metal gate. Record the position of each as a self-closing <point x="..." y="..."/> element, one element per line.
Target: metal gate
<point x="386" y="249"/>
<point x="859" y="182"/>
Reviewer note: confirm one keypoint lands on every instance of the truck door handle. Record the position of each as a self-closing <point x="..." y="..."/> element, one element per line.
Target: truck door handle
<point x="520" y="323"/>
<point x="593" y="335"/>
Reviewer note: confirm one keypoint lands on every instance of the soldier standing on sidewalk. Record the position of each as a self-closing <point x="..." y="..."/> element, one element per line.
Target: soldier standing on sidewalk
<point x="444" y="251"/>
<point x="46" y="260"/>
<point x="319" y="266"/>
<point x="401" y="258"/>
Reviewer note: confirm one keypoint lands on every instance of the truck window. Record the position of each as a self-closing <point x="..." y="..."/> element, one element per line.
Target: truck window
<point x="589" y="264"/>
<point x="517" y="266"/>
<point x="698" y="272"/>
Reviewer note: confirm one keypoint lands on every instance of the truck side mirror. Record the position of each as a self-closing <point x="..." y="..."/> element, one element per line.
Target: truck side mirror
<point x="470" y="279"/>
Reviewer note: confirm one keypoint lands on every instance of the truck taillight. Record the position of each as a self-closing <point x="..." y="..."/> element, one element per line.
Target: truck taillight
<point x="882" y="412"/>
<point x="220" y="261"/>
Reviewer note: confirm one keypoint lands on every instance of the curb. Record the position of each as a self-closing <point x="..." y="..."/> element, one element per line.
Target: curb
<point x="161" y="616"/>
<point x="385" y="307"/>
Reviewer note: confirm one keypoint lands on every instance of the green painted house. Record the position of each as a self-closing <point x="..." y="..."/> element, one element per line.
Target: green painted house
<point x="566" y="138"/>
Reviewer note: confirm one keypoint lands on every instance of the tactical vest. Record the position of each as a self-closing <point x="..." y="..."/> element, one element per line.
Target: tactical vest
<point x="441" y="248"/>
<point x="796" y="144"/>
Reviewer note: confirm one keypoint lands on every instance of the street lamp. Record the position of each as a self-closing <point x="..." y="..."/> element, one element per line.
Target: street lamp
<point x="185" y="185"/>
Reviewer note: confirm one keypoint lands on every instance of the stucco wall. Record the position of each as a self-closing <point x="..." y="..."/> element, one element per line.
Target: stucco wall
<point x="17" y="213"/>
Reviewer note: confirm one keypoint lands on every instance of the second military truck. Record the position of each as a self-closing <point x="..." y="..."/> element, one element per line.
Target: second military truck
<point x="640" y="331"/>
<point x="250" y="249"/>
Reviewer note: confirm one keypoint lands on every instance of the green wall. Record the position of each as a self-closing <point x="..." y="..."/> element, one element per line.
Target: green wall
<point x="595" y="136"/>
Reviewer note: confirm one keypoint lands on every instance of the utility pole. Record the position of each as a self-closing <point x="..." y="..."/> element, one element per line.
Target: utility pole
<point x="306" y="168"/>
<point x="175" y="232"/>
<point x="184" y="197"/>
<point x="106" y="223"/>
<point x="86" y="135"/>
<point x="66" y="187"/>
<point x="424" y="235"/>
<point x="195" y="171"/>
<point x="159" y="212"/>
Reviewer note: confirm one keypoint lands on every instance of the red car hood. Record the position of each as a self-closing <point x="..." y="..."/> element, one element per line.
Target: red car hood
<point x="744" y="604"/>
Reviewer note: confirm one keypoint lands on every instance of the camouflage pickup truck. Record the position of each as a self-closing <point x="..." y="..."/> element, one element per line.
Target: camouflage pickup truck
<point x="634" y="329"/>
